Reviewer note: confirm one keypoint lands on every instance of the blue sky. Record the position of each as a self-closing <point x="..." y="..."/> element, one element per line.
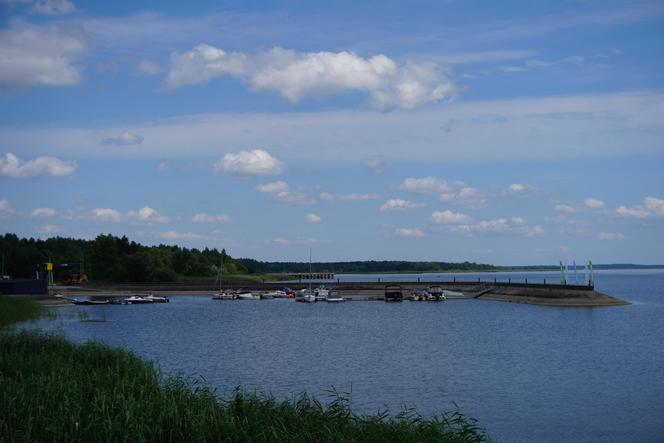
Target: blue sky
<point x="517" y="132"/>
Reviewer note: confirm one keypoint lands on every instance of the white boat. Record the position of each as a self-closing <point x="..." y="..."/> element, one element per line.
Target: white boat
<point x="248" y="296"/>
<point x="334" y="297"/>
<point x="136" y="300"/>
<point x="275" y="294"/>
<point x="447" y="293"/>
<point x="224" y="295"/>
<point x="436" y="293"/>
<point x="157" y="299"/>
<point x="321" y="293"/>
<point x="305" y="296"/>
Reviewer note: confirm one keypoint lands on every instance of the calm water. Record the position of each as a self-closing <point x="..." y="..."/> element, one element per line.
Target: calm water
<point x="528" y="373"/>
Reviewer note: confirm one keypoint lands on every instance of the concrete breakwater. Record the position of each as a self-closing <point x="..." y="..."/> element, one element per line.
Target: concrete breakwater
<point x="528" y="293"/>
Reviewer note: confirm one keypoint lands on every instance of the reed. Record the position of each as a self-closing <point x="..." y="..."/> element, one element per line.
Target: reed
<point x="15" y="309"/>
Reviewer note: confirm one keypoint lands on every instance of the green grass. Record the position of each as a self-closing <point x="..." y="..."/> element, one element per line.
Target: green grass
<point x="13" y="309"/>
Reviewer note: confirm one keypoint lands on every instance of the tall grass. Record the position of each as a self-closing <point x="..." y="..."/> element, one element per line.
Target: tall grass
<point x="52" y="389"/>
<point x="14" y="309"/>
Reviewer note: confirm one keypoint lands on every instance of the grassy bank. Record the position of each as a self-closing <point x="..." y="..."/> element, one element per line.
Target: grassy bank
<point x="52" y="389"/>
<point x="14" y="309"/>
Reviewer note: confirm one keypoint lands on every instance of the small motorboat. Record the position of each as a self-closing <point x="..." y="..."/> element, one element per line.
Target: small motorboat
<point x="89" y="302"/>
<point x="418" y="295"/>
<point x="248" y="296"/>
<point x="305" y="296"/>
<point x="334" y="297"/>
<point x="321" y="293"/>
<point x="393" y="293"/>
<point x="276" y="294"/>
<point x="452" y="294"/>
<point x="136" y="300"/>
<point x="157" y="299"/>
<point x="225" y="295"/>
<point x="436" y="293"/>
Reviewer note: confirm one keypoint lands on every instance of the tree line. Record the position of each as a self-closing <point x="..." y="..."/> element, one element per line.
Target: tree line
<point x="111" y="258"/>
<point x="117" y="259"/>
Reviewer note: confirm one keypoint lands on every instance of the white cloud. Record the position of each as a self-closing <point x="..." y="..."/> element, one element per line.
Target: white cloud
<point x="652" y="206"/>
<point x="410" y="232"/>
<point x="535" y="231"/>
<point x="655" y="205"/>
<point x="312" y="218"/>
<point x="44" y="212"/>
<point x="425" y="185"/>
<point x="397" y="204"/>
<point x="449" y="218"/>
<point x="202" y="217"/>
<point x="144" y="216"/>
<point x="40" y="56"/>
<point x="52" y="7"/>
<point x="633" y="212"/>
<point x="280" y="191"/>
<point x="521" y="189"/>
<point x="608" y="236"/>
<point x="375" y="164"/>
<point x="296" y="75"/>
<point x="565" y="208"/>
<point x="124" y="139"/>
<point x="254" y="162"/>
<point x="148" y="67"/>
<point x="466" y="196"/>
<point x="47" y="229"/>
<point x="593" y="203"/>
<point x="6" y="208"/>
<point x="175" y="235"/>
<point x="352" y="197"/>
<point x="12" y="166"/>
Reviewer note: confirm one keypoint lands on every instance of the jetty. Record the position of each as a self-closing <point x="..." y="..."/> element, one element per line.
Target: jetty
<point x="546" y="294"/>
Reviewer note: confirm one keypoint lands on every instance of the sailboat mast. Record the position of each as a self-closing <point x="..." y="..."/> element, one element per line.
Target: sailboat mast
<point x="310" y="269"/>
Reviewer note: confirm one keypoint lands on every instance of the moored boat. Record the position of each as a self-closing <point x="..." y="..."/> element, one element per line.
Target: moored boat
<point x="248" y="296"/>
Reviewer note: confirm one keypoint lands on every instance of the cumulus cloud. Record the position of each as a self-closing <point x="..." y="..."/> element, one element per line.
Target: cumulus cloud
<point x="637" y="211"/>
<point x="449" y="218"/>
<point x="254" y="162"/>
<point x="514" y="225"/>
<point x="12" y="166"/>
<point x="44" y="212"/>
<point x="565" y="208"/>
<point x="295" y="75"/>
<point x="375" y="164"/>
<point x="352" y="197"/>
<point x="148" y="67"/>
<point x="6" y="208"/>
<point x="312" y="218"/>
<point x="144" y="216"/>
<point x="126" y="138"/>
<point x="409" y="232"/>
<point x="609" y="236"/>
<point x="655" y="205"/>
<point x="47" y="229"/>
<point x="280" y="190"/>
<point x="202" y="217"/>
<point x="40" y="56"/>
<point x="397" y="204"/>
<point x="521" y="189"/>
<point x="447" y="192"/>
<point x="593" y="203"/>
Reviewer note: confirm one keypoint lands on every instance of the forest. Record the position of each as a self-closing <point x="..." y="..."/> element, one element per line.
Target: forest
<point x="117" y="259"/>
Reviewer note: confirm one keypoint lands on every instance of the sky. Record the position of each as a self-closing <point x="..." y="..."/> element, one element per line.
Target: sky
<point x="511" y="133"/>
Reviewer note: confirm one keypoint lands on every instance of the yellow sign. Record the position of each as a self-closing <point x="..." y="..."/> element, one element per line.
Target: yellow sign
<point x="49" y="266"/>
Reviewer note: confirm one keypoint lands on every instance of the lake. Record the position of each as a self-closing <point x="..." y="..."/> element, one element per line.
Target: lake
<point x="527" y="373"/>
